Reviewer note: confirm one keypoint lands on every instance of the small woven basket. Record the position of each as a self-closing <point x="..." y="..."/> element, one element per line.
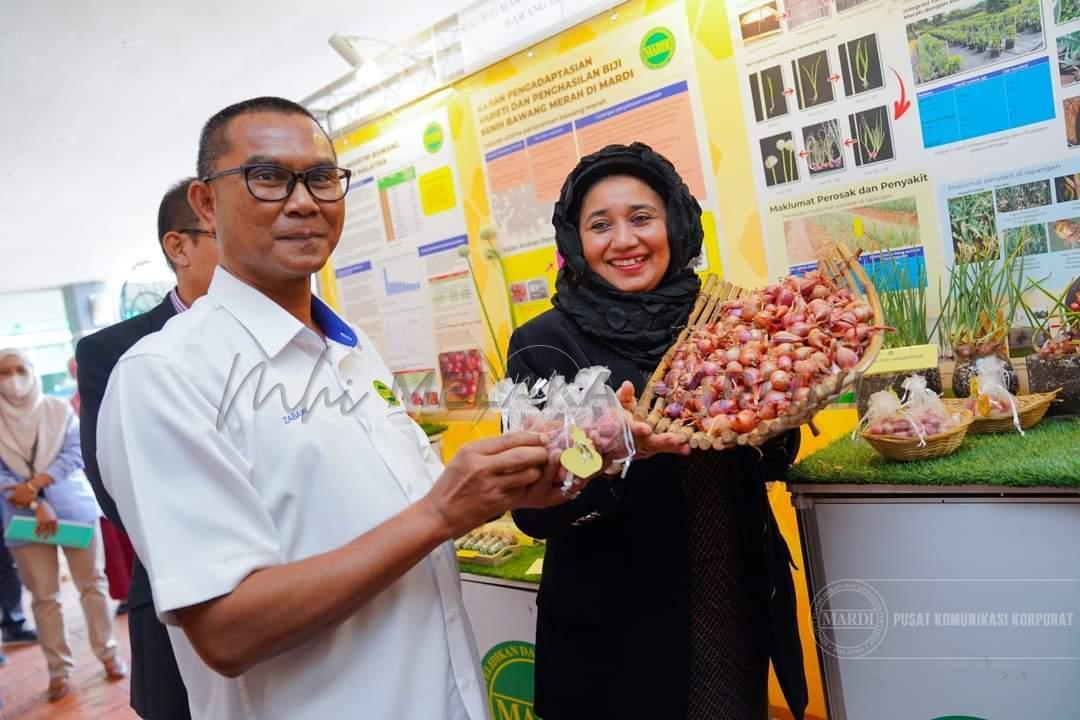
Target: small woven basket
<point x="1030" y="408"/>
<point x="840" y="266"/>
<point x="905" y="449"/>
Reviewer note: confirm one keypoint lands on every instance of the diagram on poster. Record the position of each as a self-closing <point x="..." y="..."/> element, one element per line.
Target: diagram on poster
<point x="398" y="267"/>
<point x="534" y="127"/>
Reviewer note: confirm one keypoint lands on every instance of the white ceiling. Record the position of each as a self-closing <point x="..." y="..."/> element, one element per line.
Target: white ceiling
<point x="103" y="102"/>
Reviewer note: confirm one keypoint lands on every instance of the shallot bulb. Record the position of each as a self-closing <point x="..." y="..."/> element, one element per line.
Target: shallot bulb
<point x="781" y="380"/>
<point x="846" y="358"/>
<point x="744" y="421"/>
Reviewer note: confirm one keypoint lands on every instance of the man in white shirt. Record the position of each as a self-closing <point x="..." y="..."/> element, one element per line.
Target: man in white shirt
<point x="294" y="522"/>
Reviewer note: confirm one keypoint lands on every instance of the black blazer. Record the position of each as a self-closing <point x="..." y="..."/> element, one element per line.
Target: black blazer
<point x="157" y="691"/>
<point x="613" y="604"/>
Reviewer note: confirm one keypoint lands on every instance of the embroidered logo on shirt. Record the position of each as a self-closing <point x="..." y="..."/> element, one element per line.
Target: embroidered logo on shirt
<point x="294" y="415"/>
<point x="385" y="393"/>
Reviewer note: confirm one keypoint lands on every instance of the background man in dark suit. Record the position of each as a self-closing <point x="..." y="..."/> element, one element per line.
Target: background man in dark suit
<point x="157" y="691"/>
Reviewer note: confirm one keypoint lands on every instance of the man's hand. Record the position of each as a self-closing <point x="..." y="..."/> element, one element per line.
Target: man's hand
<point x="488" y="477"/>
<point x="46" y="520"/>
<point x="648" y="443"/>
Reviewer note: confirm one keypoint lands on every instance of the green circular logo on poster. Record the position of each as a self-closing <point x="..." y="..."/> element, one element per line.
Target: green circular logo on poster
<point x="657" y="48"/>
<point x="433" y="137"/>
<point x="508" y="673"/>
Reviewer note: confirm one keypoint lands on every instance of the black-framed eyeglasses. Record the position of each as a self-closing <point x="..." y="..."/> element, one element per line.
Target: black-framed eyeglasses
<point x="274" y="183"/>
<point x="195" y="231"/>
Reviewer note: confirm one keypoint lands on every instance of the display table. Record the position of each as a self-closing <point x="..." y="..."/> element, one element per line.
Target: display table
<point x="501" y="603"/>
<point x="946" y="588"/>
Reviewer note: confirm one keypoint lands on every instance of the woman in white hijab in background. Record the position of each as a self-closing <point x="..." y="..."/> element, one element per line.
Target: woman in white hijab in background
<point x="41" y="475"/>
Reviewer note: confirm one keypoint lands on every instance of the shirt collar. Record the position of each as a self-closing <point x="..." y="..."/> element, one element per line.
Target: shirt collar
<point x="269" y="323"/>
<point x="177" y="303"/>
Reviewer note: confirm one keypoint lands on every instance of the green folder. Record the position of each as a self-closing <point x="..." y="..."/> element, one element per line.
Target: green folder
<point x="69" y="534"/>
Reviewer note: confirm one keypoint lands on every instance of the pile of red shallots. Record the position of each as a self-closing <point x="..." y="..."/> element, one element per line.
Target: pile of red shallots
<point x="760" y="359"/>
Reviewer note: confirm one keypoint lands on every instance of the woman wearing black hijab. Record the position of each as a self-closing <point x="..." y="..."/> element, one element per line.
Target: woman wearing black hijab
<point x="665" y="594"/>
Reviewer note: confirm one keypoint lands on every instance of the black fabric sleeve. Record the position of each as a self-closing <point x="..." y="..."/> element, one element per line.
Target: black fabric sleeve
<point x="96" y="361"/>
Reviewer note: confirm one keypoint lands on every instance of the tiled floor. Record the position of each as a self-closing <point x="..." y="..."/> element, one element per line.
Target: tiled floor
<point x="24" y="680"/>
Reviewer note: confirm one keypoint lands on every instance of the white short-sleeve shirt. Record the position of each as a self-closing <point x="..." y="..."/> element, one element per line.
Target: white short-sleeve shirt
<point x="215" y="478"/>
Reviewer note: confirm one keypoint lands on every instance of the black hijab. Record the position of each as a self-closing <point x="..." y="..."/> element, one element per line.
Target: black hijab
<point x="640" y="325"/>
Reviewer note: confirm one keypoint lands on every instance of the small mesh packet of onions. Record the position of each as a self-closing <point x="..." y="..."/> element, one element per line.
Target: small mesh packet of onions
<point x="990" y="391"/>
<point x="920" y="414"/>
<point x="554" y="407"/>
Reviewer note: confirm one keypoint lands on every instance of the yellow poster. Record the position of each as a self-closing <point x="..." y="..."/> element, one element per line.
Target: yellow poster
<point x="635" y="85"/>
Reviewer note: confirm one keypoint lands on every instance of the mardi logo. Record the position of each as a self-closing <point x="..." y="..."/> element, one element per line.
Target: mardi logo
<point x="508" y="673"/>
<point x="657" y="48"/>
<point x="433" y="137"/>
<point x="385" y="393"/>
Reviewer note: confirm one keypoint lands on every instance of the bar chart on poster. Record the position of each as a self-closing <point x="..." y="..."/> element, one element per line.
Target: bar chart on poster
<point x="399" y="272"/>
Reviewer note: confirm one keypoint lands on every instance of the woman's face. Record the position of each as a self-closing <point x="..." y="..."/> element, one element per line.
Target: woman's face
<point x="623" y="228"/>
<point x="16" y="380"/>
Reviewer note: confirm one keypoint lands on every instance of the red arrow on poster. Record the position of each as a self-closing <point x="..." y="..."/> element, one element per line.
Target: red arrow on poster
<point x="834" y="78"/>
<point x="850" y="141"/>
<point x="789" y="91"/>
<point x="803" y="153"/>
<point x="900" y="106"/>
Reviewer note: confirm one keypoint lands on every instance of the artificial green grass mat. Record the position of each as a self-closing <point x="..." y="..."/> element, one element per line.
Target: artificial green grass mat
<point x="513" y="569"/>
<point x="1049" y="455"/>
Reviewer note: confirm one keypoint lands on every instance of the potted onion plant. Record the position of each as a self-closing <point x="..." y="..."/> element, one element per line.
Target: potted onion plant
<point x="903" y="305"/>
<point x="1056" y="361"/>
<point x="977" y="312"/>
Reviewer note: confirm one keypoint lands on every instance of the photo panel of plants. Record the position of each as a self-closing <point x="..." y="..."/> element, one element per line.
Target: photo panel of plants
<point x="974" y="227"/>
<point x="1068" y="54"/>
<point x="1071" y="108"/>
<point x="883" y="226"/>
<point x="845" y="5"/>
<point x="1066" y="11"/>
<point x="759" y="22"/>
<point x="813" y="85"/>
<point x="1064" y="235"/>
<point x="823" y="145"/>
<point x="767" y="94"/>
<point x="860" y="65"/>
<point x="1023" y="196"/>
<point x="802" y="12"/>
<point x="1026" y="240"/>
<point x="973" y="36"/>
<point x="872" y="131"/>
<point x="779" y="159"/>
<point x="1067" y="188"/>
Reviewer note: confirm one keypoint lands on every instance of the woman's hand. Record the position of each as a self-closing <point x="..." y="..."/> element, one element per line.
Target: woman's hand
<point x="46" y="520"/>
<point x="22" y="495"/>
<point x="647" y="441"/>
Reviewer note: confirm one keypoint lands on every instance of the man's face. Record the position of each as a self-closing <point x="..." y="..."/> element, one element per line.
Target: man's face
<point x="272" y="243"/>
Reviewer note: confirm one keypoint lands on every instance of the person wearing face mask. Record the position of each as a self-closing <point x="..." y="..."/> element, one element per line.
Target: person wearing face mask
<point x="41" y="475"/>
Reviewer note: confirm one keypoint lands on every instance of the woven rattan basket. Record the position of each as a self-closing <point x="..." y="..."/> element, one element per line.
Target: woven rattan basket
<point x="1030" y="408"/>
<point x="839" y="265"/>
<point x="904" y="449"/>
